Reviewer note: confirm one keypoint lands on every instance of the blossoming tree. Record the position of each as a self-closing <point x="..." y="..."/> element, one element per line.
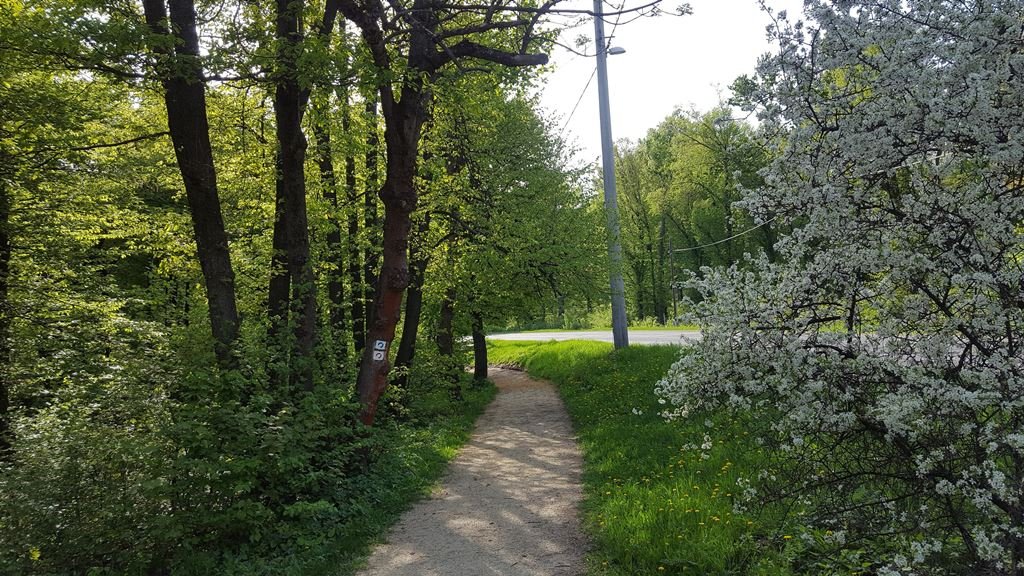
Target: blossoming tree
<point x="881" y="360"/>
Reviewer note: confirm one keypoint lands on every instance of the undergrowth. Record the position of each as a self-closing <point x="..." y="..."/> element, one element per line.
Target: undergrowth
<point x="306" y="491"/>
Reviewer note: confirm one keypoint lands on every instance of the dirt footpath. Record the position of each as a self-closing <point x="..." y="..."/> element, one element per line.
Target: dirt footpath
<point x="508" y="504"/>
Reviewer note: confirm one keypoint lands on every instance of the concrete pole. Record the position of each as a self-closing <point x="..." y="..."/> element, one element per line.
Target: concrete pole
<point x="620" y="334"/>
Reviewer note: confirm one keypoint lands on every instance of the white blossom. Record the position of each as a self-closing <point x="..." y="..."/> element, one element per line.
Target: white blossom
<point x="892" y="324"/>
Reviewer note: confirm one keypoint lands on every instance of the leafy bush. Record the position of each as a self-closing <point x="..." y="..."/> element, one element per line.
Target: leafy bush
<point x="149" y="471"/>
<point x="879" y="360"/>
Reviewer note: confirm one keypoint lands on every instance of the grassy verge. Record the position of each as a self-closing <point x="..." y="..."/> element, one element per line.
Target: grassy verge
<point x="651" y="328"/>
<point x="659" y="494"/>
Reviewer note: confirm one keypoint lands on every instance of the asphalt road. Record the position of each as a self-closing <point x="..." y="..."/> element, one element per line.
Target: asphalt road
<point x="641" y="337"/>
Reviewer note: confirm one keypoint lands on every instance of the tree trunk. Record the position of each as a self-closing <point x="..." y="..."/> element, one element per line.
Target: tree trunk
<point x="418" y="260"/>
<point x="479" y="347"/>
<point x="445" y="338"/>
<point x="185" y="99"/>
<point x="281" y="280"/>
<point x="5" y="321"/>
<point x="403" y="123"/>
<point x="387" y="303"/>
<point x="655" y="288"/>
<point x="446" y="342"/>
<point x="335" y="251"/>
<point x="288" y="106"/>
<point x="661" y="298"/>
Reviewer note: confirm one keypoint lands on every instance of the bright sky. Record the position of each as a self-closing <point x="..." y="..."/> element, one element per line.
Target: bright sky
<point x="670" y="62"/>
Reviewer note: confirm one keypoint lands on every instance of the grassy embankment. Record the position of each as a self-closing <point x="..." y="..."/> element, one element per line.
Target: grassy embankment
<point x="659" y="494"/>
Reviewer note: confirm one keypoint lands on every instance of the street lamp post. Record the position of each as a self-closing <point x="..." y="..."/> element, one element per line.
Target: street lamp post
<point x="620" y="334"/>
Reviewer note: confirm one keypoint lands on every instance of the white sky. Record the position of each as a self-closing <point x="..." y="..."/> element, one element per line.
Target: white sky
<point x="670" y="62"/>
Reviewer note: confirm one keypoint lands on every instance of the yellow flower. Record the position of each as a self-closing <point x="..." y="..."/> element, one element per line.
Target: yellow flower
<point x="34" y="553"/>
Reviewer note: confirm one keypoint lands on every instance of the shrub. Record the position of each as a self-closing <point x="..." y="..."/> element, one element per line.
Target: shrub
<point x="880" y="359"/>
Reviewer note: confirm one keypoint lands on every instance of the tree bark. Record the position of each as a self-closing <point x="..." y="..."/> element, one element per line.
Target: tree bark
<point x="289" y="101"/>
<point x="387" y="303"/>
<point x="5" y="321"/>
<point x="403" y="122"/>
<point x="418" y="261"/>
<point x="479" y="347"/>
<point x="281" y="266"/>
<point x="335" y="250"/>
<point x="185" y="100"/>
<point x="446" y="342"/>
<point x="445" y="338"/>
<point x="661" y="297"/>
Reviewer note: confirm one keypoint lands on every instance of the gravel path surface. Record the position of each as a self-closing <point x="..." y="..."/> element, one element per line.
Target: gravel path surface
<point x="508" y="504"/>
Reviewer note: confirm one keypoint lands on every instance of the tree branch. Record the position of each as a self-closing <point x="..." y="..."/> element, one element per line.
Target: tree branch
<point x="467" y="49"/>
<point x="50" y="149"/>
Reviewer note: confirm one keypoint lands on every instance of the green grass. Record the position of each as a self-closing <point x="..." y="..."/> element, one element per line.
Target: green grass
<point x="655" y="502"/>
<point x="599" y="328"/>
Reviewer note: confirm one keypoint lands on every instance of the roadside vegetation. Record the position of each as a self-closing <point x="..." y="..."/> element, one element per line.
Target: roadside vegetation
<point x="659" y="494"/>
<point x="354" y="492"/>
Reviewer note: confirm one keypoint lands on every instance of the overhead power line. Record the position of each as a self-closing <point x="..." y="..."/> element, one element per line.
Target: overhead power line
<point x="733" y="237"/>
<point x="578" y="100"/>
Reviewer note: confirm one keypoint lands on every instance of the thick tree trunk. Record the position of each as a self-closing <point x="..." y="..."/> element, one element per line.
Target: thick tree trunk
<point x="5" y="320"/>
<point x="398" y="194"/>
<point x="335" y="250"/>
<point x="185" y="99"/>
<point x="403" y="122"/>
<point x="281" y="280"/>
<point x="418" y="260"/>
<point x="289" y="101"/>
<point x="387" y="304"/>
<point x="479" y="347"/>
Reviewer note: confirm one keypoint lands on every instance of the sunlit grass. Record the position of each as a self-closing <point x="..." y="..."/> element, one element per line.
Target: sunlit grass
<point x="659" y="494"/>
<point x="645" y="328"/>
